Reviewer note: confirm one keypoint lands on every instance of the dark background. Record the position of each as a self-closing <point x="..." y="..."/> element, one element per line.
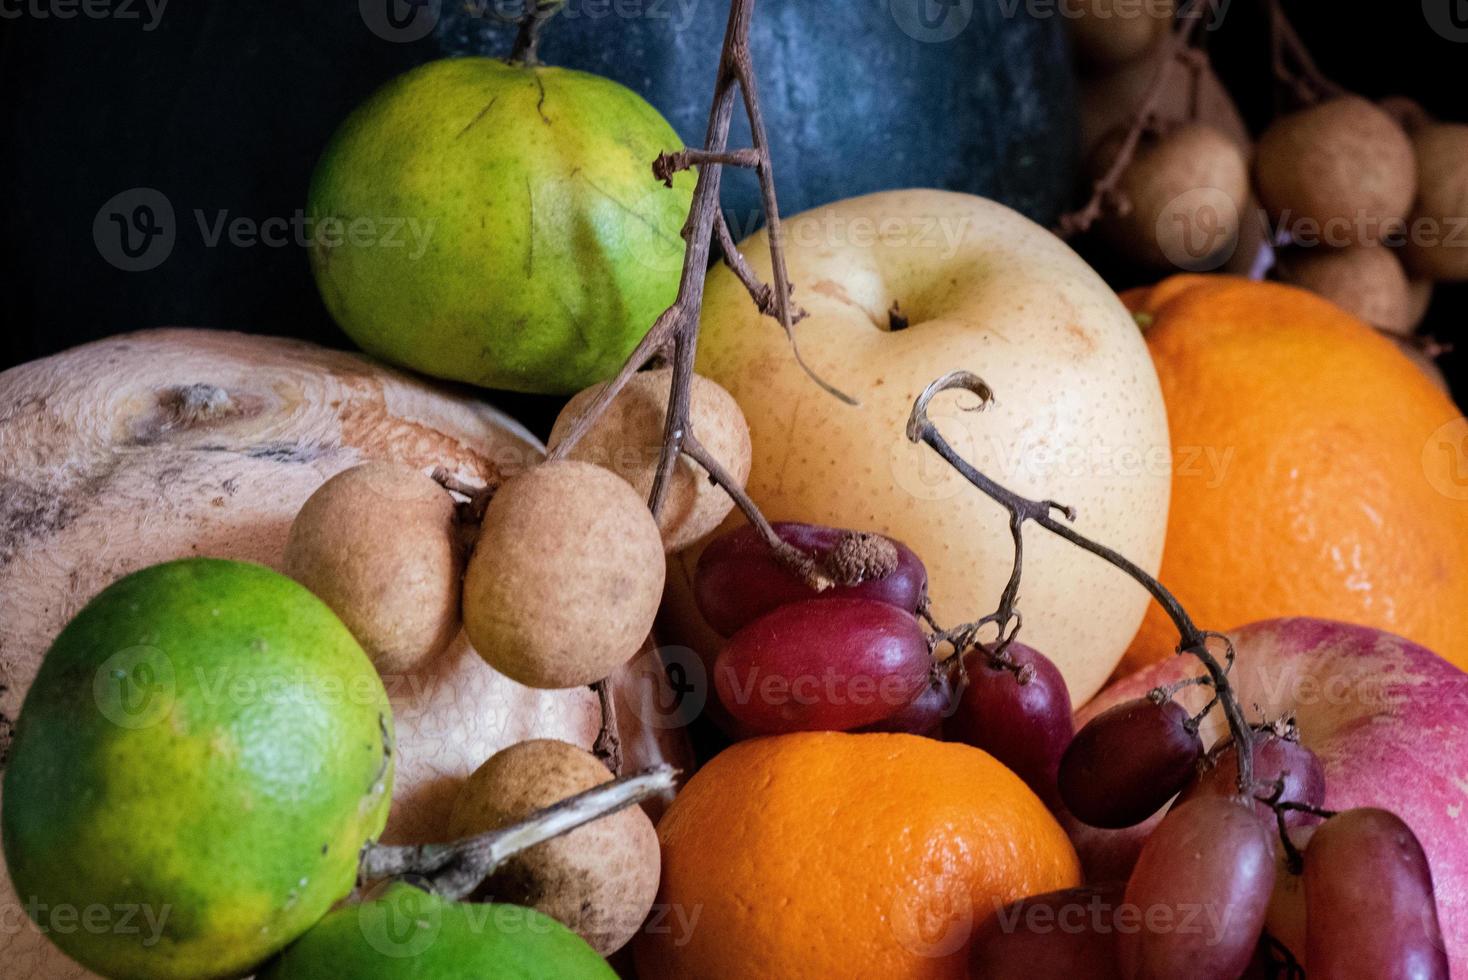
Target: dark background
<point x="225" y="107"/>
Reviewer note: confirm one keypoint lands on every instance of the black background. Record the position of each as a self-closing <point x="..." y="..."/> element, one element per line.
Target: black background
<point x="226" y="105"/>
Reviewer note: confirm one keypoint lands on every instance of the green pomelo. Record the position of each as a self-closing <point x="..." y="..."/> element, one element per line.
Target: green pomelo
<point x="196" y="767"/>
<point x="499" y="224"/>
<point x="408" y="933"/>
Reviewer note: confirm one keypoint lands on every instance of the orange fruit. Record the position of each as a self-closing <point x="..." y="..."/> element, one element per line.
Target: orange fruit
<point x="1316" y="470"/>
<point x="825" y="854"/>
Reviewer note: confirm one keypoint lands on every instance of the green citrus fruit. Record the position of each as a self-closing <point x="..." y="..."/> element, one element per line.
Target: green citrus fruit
<point x="196" y="767"/>
<point x="411" y="933"/>
<point x="499" y="224"/>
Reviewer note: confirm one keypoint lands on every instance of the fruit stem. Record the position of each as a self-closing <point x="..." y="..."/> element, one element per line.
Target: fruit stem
<point x="1021" y="509"/>
<point x="1104" y="190"/>
<point x="456" y="869"/>
<point x="608" y="744"/>
<point x="674" y="333"/>
<point x="527" y="42"/>
<point x="1306" y="82"/>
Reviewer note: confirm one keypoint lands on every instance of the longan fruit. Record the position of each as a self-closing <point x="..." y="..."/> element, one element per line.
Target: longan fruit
<point x="1109" y="101"/>
<point x="1187" y="191"/>
<point x="1108" y="33"/>
<point x="1344" y="165"/>
<point x="1437" y="243"/>
<point x="1366" y="281"/>
<point x="1408" y="113"/>
<point x="378" y="543"/>
<point x="629" y="436"/>
<point x="565" y="578"/>
<point x="599" y="880"/>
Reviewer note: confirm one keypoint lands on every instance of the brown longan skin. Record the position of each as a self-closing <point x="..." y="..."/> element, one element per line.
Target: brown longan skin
<point x="378" y="543"/>
<point x="1366" y="281"/>
<point x="1344" y="163"/>
<point x="1164" y="224"/>
<point x="1108" y="34"/>
<point x="1442" y="203"/>
<point x="565" y="578"/>
<point x="629" y="435"/>
<point x="599" y="880"/>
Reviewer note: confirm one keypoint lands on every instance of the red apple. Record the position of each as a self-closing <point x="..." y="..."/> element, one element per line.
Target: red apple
<point x="1388" y="719"/>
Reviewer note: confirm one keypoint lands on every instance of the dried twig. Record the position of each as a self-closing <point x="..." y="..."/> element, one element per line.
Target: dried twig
<point x="1042" y="512"/>
<point x="456" y="869"/>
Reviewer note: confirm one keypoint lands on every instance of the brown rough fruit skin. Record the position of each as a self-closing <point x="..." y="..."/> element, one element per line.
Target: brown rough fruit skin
<point x="564" y="581"/>
<point x="1365" y="280"/>
<point x="629" y="436"/>
<point x="1442" y="203"/>
<point x="1166" y="224"/>
<point x="1108" y="33"/>
<point x="599" y="880"/>
<point x="377" y="544"/>
<point x="1109" y="101"/>
<point x="1343" y="162"/>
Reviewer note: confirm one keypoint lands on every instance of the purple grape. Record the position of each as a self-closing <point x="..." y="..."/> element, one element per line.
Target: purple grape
<point x="1372" y="911"/>
<point x="822" y="665"/>
<point x="738" y="579"/>
<point x="1199" y="891"/>
<point x="1275" y="757"/>
<point x="1024" y="720"/>
<point x="1127" y="762"/>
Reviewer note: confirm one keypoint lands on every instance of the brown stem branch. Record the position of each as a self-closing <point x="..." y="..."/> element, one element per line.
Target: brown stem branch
<point x="1104" y="190"/>
<point x="1042" y="512"/>
<point x="1305" y="81"/>
<point x="608" y="744"/>
<point x="527" y="42"/>
<point x="455" y="869"/>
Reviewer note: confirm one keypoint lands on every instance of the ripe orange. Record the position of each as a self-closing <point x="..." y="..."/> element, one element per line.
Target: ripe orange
<point x="825" y="854"/>
<point x="1316" y="470"/>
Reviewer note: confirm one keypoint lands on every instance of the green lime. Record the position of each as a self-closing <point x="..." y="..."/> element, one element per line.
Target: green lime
<point x="196" y="767"/>
<point x="408" y="933"/>
<point x="499" y="224"/>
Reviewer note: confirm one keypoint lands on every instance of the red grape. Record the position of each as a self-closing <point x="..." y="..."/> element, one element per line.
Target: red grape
<point x="924" y="714"/>
<point x="1275" y="757"/>
<point x="1128" y="761"/>
<point x="1068" y="934"/>
<point x="1026" y="726"/>
<point x="822" y="665"/>
<point x="738" y="579"/>
<point x="1200" y="889"/>
<point x="1371" y="909"/>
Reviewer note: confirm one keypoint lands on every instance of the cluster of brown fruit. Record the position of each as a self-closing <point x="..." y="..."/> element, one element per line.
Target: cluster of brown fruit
<point x="1374" y="198"/>
<point x="556" y="582"/>
<point x="1184" y="198"/>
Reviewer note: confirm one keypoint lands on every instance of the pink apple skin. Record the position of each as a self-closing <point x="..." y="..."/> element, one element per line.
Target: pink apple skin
<point x="1388" y="719"/>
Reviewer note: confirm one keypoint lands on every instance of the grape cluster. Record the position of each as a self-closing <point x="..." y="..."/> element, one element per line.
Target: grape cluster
<point x="1227" y="884"/>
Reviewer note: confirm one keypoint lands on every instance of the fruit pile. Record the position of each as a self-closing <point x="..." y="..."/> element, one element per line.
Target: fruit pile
<point x="209" y="747"/>
<point x="1362" y="200"/>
